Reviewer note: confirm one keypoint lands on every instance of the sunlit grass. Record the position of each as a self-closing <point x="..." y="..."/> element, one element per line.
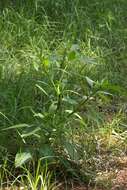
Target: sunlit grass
<point x="62" y="64"/>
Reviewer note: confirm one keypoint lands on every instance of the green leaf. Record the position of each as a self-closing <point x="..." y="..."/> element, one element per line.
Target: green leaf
<point x="40" y="88"/>
<point x="46" y="62"/>
<point x="36" y="66"/>
<point x="71" y="150"/>
<point x="52" y="107"/>
<point x="90" y="82"/>
<point x="33" y="132"/>
<point x="105" y="93"/>
<point x="40" y="115"/>
<point x="46" y="151"/>
<point x="72" y="55"/>
<point x="70" y="100"/>
<point x="19" y="126"/>
<point x="22" y="158"/>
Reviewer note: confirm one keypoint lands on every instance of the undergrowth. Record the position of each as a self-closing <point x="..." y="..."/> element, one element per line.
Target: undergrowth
<point x="62" y="88"/>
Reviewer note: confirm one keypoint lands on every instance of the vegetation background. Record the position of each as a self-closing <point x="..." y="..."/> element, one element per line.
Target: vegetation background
<point x="62" y="91"/>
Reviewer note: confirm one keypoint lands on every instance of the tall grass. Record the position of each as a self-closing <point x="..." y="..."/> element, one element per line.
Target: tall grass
<point x="60" y="62"/>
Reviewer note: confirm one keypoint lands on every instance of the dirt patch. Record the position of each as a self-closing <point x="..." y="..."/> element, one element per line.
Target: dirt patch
<point x="120" y="182"/>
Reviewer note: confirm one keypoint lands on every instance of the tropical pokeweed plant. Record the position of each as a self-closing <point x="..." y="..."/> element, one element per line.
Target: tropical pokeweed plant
<point x="47" y="137"/>
<point x="64" y="93"/>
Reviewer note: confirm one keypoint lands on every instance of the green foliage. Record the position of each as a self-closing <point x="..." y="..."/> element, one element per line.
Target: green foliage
<point x="62" y="65"/>
<point x="21" y="158"/>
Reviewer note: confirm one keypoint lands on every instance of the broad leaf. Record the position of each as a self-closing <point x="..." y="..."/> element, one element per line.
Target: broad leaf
<point x="22" y="158"/>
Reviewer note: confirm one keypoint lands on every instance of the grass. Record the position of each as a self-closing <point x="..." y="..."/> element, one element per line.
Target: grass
<point x="62" y="87"/>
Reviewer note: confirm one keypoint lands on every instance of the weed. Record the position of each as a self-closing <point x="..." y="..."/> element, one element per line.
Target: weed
<point x="62" y="87"/>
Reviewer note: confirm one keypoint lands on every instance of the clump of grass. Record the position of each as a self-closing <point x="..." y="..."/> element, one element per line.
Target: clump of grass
<point x="39" y="178"/>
